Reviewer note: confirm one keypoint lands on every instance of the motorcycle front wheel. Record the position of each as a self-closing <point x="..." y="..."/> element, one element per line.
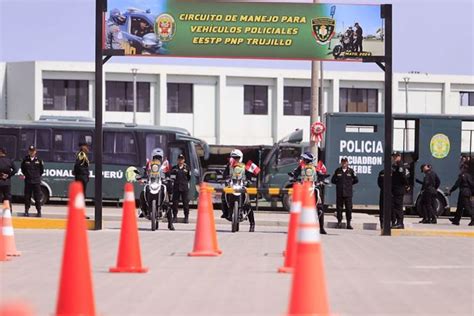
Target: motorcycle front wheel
<point x="337" y="51"/>
<point x="154" y="221"/>
<point x="235" y="217"/>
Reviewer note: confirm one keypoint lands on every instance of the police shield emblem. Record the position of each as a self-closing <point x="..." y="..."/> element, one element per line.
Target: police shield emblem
<point x="165" y="27"/>
<point x="323" y="29"/>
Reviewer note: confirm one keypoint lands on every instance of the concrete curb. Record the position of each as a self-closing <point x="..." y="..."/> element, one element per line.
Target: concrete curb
<point x="432" y="233"/>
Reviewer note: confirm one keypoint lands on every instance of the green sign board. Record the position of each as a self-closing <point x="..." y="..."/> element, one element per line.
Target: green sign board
<point x="244" y="29"/>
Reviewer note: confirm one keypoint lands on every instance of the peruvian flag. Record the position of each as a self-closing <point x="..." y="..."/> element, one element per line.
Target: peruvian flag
<point x="321" y="168"/>
<point x="165" y="167"/>
<point x="251" y="167"/>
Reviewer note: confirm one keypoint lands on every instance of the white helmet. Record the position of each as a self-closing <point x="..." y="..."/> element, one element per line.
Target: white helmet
<point x="237" y="155"/>
<point x="158" y="153"/>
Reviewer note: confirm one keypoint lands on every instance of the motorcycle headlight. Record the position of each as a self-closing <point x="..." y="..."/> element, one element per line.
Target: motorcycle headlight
<point x="155" y="168"/>
<point x="154" y="186"/>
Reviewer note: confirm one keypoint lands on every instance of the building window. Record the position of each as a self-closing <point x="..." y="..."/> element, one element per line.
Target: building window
<point x="256" y="100"/>
<point x="119" y="96"/>
<point x="180" y="98"/>
<point x="467" y="98"/>
<point x="358" y="100"/>
<point x="297" y="101"/>
<point x="65" y="95"/>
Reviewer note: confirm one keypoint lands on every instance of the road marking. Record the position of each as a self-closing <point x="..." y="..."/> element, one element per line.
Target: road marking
<point x="442" y="267"/>
<point x="432" y="233"/>
<point x="408" y="282"/>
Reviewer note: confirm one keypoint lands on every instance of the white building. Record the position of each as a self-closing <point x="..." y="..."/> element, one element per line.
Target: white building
<point x="221" y="105"/>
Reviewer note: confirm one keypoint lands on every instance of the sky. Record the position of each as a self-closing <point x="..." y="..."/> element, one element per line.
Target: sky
<point x="430" y="36"/>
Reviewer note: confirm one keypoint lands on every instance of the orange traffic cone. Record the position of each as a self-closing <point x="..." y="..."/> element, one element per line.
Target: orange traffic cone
<point x="213" y="222"/>
<point x="308" y="291"/>
<point x="3" y="253"/>
<point x="15" y="309"/>
<point x="204" y="243"/>
<point x="290" y="253"/>
<point x="76" y="295"/>
<point x="8" y="234"/>
<point x="129" y="256"/>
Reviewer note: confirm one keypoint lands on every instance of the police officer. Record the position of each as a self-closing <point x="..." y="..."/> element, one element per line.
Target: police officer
<point x="114" y="36"/>
<point x="236" y="168"/>
<point x="429" y="187"/>
<point x="307" y="171"/>
<point x="7" y="170"/>
<point x="32" y="168"/>
<point x="465" y="184"/>
<point x="180" y="174"/>
<point x="143" y="29"/>
<point x="81" y="166"/>
<point x="344" y="178"/>
<point x="399" y="183"/>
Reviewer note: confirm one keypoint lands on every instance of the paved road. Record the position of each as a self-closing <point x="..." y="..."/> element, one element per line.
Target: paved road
<point x="366" y="274"/>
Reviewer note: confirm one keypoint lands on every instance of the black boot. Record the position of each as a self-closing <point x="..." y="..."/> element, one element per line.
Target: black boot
<point x="322" y="231"/>
<point x="454" y="221"/>
<point x="27" y="214"/>
<point x="38" y="214"/>
<point x="471" y="223"/>
<point x="434" y="221"/>
<point x="349" y="225"/>
<point x="170" y="226"/>
<point x="252" y="227"/>
<point x="424" y="221"/>
<point x="339" y="224"/>
<point x="186" y="218"/>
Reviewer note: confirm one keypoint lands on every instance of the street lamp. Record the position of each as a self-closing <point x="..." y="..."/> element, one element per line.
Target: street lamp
<point x="134" y="73"/>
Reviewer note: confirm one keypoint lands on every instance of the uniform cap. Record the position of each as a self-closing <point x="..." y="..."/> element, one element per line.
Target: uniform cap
<point x="83" y="144"/>
<point x="180" y="156"/>
<point x="31" y="148"/>
<point x="396" y="153"/>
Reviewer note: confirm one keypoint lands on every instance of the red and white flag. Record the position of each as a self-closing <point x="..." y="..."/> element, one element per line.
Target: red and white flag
<point x="321" y="168"/>
<point x="165" y="167"/>
<point x="253" y="168"/>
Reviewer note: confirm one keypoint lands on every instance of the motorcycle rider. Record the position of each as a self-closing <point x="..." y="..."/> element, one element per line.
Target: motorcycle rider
<point x="114" y="36"/>
<point x="306" y="171"/>
<point x="157" y="158"/>
<point x="234" y="168"/>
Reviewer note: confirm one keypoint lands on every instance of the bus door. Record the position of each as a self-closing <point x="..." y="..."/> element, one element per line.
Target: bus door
<point x="405" y="141"/>
<point x="440" y="145"/>
<point x="467" y="144"/>
<point x="359" y="138"/>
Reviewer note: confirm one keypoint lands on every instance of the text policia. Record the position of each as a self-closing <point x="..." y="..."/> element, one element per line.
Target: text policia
<point x="362" y="155"/>
<point x="240" y="29"/>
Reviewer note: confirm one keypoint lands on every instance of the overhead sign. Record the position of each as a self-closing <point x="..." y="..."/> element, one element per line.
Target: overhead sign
<point x="244" y="29"/>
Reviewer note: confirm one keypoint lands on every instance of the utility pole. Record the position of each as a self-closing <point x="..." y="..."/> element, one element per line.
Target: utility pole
<point x="314" y="101"/>
<point x="406" y="80"/>
<point x="134" y="72"/>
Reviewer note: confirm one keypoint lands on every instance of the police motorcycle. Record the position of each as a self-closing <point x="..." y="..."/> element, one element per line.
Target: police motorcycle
<point x="154" y="199"/>
<point x="318" y="182"/>
<point x="236" y="198"/>
<point x="347" y="43"/>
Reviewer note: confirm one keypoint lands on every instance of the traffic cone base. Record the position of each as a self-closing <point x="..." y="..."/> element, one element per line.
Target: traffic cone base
<point x="129" y="255"/>
<point x="9" y="235"/>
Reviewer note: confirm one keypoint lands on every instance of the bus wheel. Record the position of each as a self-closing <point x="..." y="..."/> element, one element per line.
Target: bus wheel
<point x="439" y="206"/>
<point x="44" y="196"/>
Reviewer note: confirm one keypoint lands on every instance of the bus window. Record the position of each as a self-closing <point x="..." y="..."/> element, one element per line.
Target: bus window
<point x="9" y="143"/>
<point x="120" y="148"/>
<point x="154" y="140"/>
<point x="175" y="151"/>
<point x="63" y="146"/>
<point x="40" y="138"/>
<point x="84" y="137"/>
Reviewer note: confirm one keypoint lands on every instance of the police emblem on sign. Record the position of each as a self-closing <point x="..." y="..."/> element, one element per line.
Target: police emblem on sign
<point x="165" y="27"/>
<point x="323" y="29"/>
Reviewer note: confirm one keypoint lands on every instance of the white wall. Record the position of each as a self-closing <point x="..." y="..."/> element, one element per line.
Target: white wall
<point x="21" y="90"/>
